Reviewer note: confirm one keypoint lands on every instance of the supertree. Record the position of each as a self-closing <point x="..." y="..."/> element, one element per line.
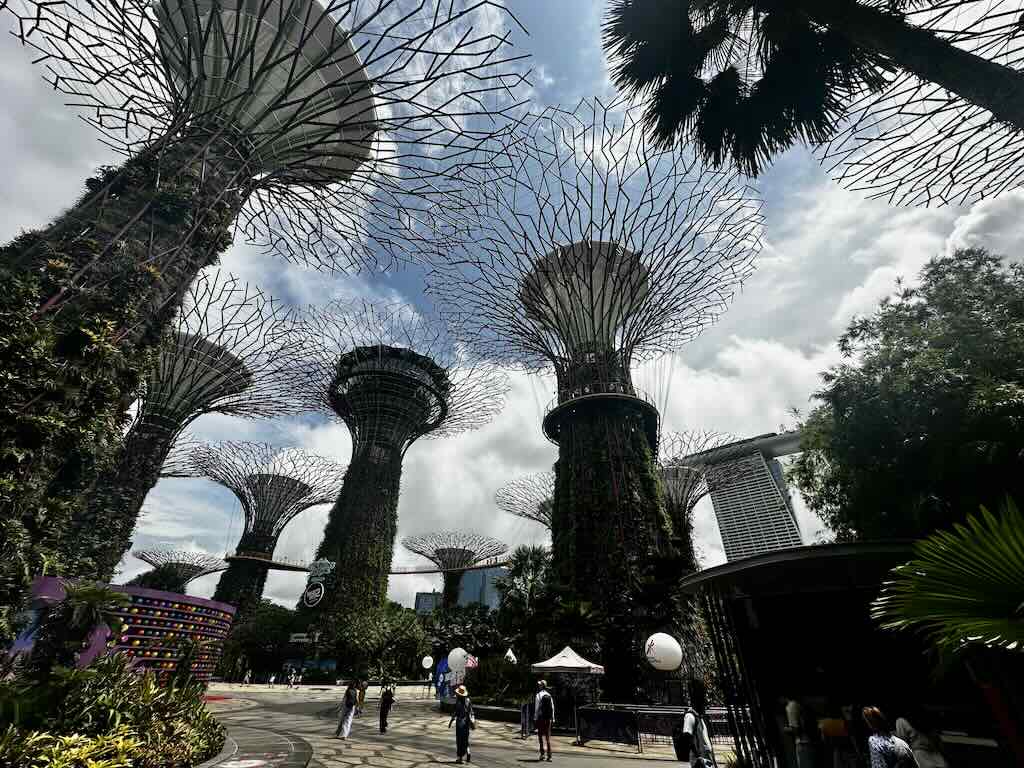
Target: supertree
<point x="232" y="350"/>
<point x="530" y="497"/>
<point x="596" y="250"/>
<point x="686" y="480"/>
<point x="453" y="552"/>
<point x="393" y="375"/>
<point x="334" y="135"/>
<point x="174" y="569"/>
<point x="913" y="142"/>
<point x="273" y="485"/>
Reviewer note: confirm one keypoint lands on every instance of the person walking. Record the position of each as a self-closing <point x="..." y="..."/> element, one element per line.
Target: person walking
<point x="544" y="709"/>
<point x="270" y="682"/>
<point x="387" y="700"/>
<point x="885" y="749"/>
<point x="361" y="699"/>
<point x="692" y="741"/>
<point x="248" y="677"/>
<point x="462" y="716"/>
<point x="348" y="712"/>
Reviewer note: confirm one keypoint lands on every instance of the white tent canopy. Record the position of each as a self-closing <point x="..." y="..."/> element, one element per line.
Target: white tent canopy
<point x="567" y="660"/>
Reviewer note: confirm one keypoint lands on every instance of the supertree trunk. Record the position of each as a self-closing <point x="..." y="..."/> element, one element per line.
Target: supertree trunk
<point x="99" y="287"/>
<point x="608" y="525"/>
<point x="103" y="532"/>
<point x="242" y="583"/>
<point x="450" y="593"/>
<point x="360" y="535"/>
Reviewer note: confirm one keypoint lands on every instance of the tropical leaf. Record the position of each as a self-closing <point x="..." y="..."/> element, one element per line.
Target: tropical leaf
<point x="964" y="587"/>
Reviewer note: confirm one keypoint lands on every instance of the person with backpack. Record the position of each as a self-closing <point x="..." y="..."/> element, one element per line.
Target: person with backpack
<point x="348" y="712"/>
<point x="691" y="739"/>
<point x="886" y="750"/>
<point x="544" y="707"/>
<point x="387" y="700"/>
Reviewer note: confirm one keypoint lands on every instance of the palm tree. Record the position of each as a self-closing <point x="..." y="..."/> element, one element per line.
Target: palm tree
<point x="524" y="594"/>
<point x="745" y="79"/>
<point x="964" y="588"/>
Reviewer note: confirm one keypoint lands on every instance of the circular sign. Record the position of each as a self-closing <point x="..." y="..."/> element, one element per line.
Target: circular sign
<point x="428" y="662"/>
<point x="663" y="652"/>
<point x="313" y="595"/>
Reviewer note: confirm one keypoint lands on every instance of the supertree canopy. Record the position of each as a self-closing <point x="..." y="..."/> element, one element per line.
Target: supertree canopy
<point x="913" y="142"/>
<point x="174" y="569"/>
<point x="334" y="135"/>
<point x="232" y="350"/>
<point x="530" y="497"/>
<point x="453" y="552"/>
<point x="273" y="485"/>
<point x="392" y="375"/>
<point x="599" y="249"/>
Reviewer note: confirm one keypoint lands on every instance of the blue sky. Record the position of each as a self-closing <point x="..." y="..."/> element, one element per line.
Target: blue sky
<point x="829" y="254"/>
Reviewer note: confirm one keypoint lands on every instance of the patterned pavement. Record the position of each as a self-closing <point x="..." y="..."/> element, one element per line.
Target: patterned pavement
<point x="417" y="735"/>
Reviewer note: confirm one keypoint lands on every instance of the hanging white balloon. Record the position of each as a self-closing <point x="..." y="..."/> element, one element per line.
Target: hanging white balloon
<point x="663" y="652"/>
<point x="428" y="662"/>
<point x="457" y="659"/>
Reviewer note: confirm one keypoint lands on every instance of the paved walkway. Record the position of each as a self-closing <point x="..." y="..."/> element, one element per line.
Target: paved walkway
<point x="417" y="735"/>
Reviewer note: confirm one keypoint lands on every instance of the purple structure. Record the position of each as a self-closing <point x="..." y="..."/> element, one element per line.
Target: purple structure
<point x="155" y="627"/>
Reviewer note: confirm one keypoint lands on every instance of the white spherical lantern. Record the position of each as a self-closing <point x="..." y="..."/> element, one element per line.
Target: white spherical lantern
<point x="428" y="662"/>
<point x="663" y="652"/>
<point x="457" y="659"/>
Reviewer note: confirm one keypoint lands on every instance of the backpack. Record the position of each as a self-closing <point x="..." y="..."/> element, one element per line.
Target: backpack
<point x="546" y="709"/>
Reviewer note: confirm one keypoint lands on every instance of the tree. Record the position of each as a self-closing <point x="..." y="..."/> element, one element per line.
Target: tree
<point x="165" y="577"/>
<point x="964" y="587"/>
<point x="525" y="598"/>
<point x="259" y="642"/>
<point x="744" y="80"/>
<point x="924" y="421"/>
<point x="379" y="642"/>
<point x="472" y="627"/>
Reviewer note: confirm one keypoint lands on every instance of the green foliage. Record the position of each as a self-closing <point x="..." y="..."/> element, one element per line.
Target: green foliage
<point x="37" y="749"/>
<point x="260" y="642"/>
<point x="964" y="587"/>
<point x="81" y="312"/>
<point x="107" y="701"/>
<point x="472" y="627"/>
<point x="167" y="578"/>
<point x="526" y="599"/>
<point x="925" y="420"/>
<point x="65" y="627"/>
<point x="379" y="643"/>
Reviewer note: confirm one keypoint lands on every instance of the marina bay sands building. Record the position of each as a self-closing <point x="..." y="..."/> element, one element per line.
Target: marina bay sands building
<point x="752" y="504"/>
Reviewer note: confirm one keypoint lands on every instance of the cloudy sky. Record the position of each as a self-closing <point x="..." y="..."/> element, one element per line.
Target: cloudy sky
<point x="829" y="254"/>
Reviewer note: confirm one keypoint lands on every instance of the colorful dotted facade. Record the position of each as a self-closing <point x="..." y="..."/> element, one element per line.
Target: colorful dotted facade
<point x="156" y="625"/>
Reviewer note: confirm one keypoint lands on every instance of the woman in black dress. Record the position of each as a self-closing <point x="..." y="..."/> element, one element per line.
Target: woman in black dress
<point x="464" y="721"/>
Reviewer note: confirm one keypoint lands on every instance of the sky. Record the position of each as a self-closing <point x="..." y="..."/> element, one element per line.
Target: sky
<point x="829" y="254"/>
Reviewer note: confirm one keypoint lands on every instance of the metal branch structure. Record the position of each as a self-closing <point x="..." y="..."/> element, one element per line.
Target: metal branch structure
<point x="453" y="552"/>
<point x="686" y="483"/>
<point x="174" y="569"/>
<point x="334" y="135"/>
<point x="597" y="249"/>
<point x="273" y="485"/>
<point x="393" y="375"/>
<point x="915" y="143"/>
<point x="232" y="350"/>
<point x="179" y="461"/>
<point x="530" y="497"/>
<point x="335" y="129"/>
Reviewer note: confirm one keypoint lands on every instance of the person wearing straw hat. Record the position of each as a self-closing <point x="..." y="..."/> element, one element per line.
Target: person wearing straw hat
<point x="462" y="716"/>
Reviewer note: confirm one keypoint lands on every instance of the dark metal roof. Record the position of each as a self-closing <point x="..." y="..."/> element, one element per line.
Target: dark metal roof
<point x="818" y="567"/>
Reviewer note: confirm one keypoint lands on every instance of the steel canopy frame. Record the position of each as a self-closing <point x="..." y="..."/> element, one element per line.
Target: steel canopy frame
<point x="232" y="350"/>
<point x="273" y="485"/>
<point x="393" y="375"/>
<point x="454" y="552"/>
<point x="530" y="497"/>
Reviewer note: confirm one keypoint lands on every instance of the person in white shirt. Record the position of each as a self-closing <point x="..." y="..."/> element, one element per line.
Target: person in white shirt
<point x="695" y="729"/>
<point x="543" y="716"/>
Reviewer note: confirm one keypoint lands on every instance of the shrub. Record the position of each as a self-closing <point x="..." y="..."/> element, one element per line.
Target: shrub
<point x="34" y="749"/>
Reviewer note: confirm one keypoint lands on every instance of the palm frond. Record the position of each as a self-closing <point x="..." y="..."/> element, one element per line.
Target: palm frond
<point x="964" y="587"/>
